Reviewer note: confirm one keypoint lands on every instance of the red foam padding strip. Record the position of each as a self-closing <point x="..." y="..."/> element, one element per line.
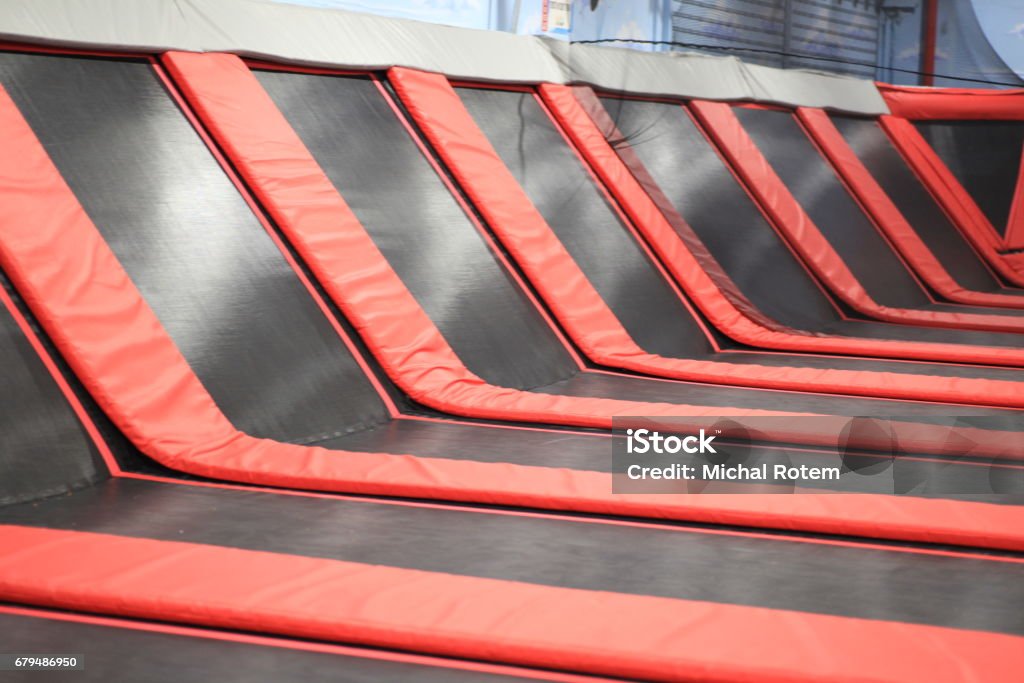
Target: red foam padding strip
<point x="634" y="636"/>
<point x="116" y="346"/>
<point x="440" y="114"/>
<point x="953" y="103"/>
<point x="813" y="247"/>
<point x="207" y="633"/>
<point x="889" y="218"/>
<point x="955" y="200"/>
<point x="687" y="258"/>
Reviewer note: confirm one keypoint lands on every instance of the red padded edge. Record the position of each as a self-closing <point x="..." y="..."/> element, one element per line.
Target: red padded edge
<point x="889" y="218"/>
<point x="953" y="198"/>
<point x="666" y="230"/>
<point x="283" y="643"/>
<point x="471" y="159"/>
<point x="953" y="103"/>
<point x="116" y="346"/>
<point x="605" y="633"/>
<point x="301" y="199"/>
<point x="786" y="212"/>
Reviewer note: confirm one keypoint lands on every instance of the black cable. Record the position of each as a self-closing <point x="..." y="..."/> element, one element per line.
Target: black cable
<point x="781" y="53"/>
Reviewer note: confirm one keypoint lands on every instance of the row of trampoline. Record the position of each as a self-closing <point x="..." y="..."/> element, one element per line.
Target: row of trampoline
<point x="313" y="373"/>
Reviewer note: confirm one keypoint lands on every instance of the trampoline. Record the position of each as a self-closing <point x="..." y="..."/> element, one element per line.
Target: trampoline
<point x="985" y="157"/>
<point x="314" y="366"/>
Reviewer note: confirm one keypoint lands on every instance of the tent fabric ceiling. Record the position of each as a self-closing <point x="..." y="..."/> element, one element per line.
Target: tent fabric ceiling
<point x="337" y="38"/>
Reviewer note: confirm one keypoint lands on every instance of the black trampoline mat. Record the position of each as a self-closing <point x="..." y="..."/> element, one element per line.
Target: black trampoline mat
<point x="44" y="451"/>
<point x="985" y="156"/>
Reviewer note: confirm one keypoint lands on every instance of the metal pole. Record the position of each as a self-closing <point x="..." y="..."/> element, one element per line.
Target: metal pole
<point x="515" y="15"/>
<point x="929" y="28"/>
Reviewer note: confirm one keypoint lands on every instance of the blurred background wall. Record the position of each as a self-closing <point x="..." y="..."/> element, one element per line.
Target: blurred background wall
<point x="970" y="43"/>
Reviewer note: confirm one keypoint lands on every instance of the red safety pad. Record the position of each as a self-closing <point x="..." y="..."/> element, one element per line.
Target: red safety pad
<point x="688" y="260"/>
<point x="214" y="636"/>
<point x="723" y="126"/>
<point x="885" y="214"/>
<point x="954" y="199"/>
<point x="439" y="113"/>
<point x="953" y="103"/>
<point x="116" y="346"/>
<point x="632" y="636"/>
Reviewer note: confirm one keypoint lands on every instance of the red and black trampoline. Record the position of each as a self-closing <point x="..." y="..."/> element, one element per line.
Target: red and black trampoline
<point x="323" y="360"/>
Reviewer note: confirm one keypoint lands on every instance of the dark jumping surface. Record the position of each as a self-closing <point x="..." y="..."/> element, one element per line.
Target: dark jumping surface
<point x="985" y="157"/>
